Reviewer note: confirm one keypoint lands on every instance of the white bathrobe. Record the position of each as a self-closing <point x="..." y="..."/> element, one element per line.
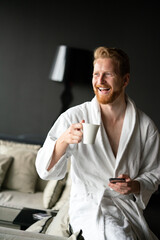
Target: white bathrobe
<point x="100" y="212"/>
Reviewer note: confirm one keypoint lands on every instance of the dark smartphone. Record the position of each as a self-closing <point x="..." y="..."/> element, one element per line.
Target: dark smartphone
<point x="115" y="180"/>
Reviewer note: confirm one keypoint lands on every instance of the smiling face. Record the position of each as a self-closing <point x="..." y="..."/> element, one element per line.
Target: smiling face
<point x="108" y="85"/>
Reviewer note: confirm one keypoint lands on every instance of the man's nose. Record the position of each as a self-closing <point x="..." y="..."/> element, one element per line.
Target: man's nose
<point x="101" y="79"/>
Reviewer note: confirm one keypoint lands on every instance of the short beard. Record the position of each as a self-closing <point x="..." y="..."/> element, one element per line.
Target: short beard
<point x="110" y="98"/>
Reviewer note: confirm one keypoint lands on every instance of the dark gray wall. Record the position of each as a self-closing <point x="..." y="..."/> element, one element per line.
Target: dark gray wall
<point x="30" y="31"/>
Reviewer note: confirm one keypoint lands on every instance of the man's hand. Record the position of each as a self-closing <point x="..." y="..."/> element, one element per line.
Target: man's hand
<point x="127" y="187"/>
<point x="73" y="134"/>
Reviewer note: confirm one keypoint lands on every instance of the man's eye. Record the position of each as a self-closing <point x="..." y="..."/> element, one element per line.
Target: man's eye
<point x="95" y="74"/>
<point x="108" y="74"/>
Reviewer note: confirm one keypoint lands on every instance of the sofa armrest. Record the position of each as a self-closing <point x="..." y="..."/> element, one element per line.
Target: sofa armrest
<point x="14" y="234"/>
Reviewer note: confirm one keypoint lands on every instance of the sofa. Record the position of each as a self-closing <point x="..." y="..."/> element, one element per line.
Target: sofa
<point x="13" y="234"/>
<point x="55" y="228"/>
<point x="20" y="186"/>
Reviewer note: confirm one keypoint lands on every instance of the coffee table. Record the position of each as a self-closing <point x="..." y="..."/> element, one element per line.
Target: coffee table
<point x="25" y="217"/>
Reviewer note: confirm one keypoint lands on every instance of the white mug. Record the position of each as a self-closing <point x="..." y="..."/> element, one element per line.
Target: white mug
<point x="89" y="132"/>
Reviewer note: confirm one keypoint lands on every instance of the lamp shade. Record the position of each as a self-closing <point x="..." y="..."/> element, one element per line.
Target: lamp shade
<point x="72" y="65"/>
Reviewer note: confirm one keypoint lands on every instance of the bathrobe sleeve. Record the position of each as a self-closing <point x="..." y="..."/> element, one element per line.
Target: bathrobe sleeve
<point x="149" y="173"/>
<point x="45" y="153"/>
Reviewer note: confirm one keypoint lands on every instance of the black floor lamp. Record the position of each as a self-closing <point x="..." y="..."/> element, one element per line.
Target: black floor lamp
<point x="71" y="66"/>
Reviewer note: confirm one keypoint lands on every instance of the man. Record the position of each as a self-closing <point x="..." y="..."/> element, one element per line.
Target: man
<point x="127" y="145"/>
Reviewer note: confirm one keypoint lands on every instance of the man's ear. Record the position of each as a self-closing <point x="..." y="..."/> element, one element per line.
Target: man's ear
<point x="126" y="79"/>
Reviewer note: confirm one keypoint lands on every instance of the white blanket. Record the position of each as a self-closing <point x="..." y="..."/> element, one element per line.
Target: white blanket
<point x="101" y="213"/>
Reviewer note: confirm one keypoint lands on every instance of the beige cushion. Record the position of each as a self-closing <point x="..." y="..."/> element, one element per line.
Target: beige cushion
<point x="60" y="225"/>
<point x="53" y="191"/>
<point x="4" y="165"/>
<point x="22" y="174"/>
<point x="65" y="194"/>
<point x="8" y="145"/>
<point x="56" y="226"/>
<point x="40" y="226"/>
<point x="41" y="184"/>
<point x="16" y="199"/>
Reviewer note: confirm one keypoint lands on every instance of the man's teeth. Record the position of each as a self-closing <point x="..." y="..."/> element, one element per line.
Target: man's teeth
<point x="106" y="89"/>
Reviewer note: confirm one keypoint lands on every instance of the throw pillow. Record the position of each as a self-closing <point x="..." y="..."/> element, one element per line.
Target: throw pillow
<point x="22" y="174"/>
<point x="4" y="165"/>
<point x="40" y="226"/>
<point x="60" y="225"/>
<point x="65" y="194"/>
<point x="53" y="191"/>
<point x="57" y="226"/>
